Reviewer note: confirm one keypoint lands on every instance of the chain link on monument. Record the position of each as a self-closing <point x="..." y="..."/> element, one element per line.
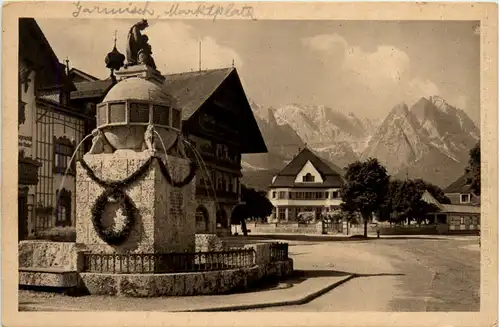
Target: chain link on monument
<point x="115" y="190"/>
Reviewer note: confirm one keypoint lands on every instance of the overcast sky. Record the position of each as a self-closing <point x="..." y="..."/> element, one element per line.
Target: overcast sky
<point x="353" y="66"/>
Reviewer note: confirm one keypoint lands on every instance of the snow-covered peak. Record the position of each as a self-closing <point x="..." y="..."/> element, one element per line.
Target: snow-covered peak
<point x="441" y="104"/>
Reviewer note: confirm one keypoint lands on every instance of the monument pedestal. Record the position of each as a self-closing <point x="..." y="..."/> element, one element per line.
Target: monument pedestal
<point x="165" y="215"/>
<point x="142" y="71"/>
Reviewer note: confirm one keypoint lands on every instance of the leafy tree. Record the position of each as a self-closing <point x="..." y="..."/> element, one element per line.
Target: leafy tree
<point x="404" y="200"/>
<point x="386" y="212"/>
<point x="365" y="188"/>
<point x="407" y="201"/>
<point x="239" y="215"/>
<point x="257" y="205"/>
<point x="434" y="190"/>
<point x="474" y="168"/>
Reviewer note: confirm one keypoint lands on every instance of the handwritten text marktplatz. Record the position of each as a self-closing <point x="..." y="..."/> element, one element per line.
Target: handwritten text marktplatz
<point x="229" y="10"/>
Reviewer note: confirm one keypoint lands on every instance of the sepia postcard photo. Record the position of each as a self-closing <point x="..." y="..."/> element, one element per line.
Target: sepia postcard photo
<point x="195" y="163"/>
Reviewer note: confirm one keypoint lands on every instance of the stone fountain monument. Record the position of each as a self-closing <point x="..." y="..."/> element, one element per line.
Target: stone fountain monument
<point x="133" y="196"/>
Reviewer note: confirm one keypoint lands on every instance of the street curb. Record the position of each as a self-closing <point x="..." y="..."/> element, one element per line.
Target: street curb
<point x="306" y="299"/>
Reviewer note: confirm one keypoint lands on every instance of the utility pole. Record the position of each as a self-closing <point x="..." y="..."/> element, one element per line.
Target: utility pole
<point x="199" y="64"/>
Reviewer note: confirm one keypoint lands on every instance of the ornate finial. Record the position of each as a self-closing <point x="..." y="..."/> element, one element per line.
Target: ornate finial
<point x="67" y="65"/>
<point x="114" y="60"/>
<point x="233" y="63"/>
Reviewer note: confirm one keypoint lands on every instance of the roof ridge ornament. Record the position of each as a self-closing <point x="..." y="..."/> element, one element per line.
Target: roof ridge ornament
<point x="114" y="60"/>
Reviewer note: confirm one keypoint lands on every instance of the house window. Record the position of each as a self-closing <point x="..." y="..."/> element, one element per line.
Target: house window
<point x="224" y="182"/>
<point x="63" y="150"/>
<point x="63" y="210"/>
<point x="281" y="214"/>
<point x="274" y="195"/>
<point x="21" y="112"/>
<point x="335" y="195"/>
<point x="308" y="178"/>
<point x="220" y="181"/>
<point x="465" y="198"/>
<point x="282" y="195"/>
<point x="230" y="186"/>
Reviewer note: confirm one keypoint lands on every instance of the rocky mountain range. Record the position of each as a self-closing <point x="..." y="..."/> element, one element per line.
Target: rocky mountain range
<point x="429" y="140"/>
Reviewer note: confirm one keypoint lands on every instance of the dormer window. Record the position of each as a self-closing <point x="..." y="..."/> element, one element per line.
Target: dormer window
<point x="307" y="178"/>
<point x="464" y="198"/>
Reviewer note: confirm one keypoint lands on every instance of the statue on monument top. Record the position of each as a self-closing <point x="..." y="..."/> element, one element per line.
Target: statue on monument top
<point x="138" y="49"/>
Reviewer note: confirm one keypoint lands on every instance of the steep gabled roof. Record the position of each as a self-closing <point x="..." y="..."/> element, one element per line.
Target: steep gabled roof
<point x="427" y="197"/>
<point x="329" y="172"/>
<point x="95" y="89"/>
<point x="77" y="72"/>
<point x="461" y="185"/>
<point x="450" y="208"/>
<point x="37" y="52"/>
<point x="192" y="89"/>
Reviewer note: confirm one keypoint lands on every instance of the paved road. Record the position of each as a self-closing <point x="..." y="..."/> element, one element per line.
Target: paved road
<point x="412" y="274"/>
<point x="394" y="274"/>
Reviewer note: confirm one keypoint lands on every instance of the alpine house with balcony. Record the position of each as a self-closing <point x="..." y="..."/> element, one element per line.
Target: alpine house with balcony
<point x="308" y="184"/>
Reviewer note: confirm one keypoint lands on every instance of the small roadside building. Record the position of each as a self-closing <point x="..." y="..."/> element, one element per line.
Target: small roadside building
<point x="454" y="218"/>
<point x="308" y="184"/>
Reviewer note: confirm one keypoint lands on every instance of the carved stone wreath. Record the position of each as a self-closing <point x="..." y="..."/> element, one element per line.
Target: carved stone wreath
<point x="110" y="235"/>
